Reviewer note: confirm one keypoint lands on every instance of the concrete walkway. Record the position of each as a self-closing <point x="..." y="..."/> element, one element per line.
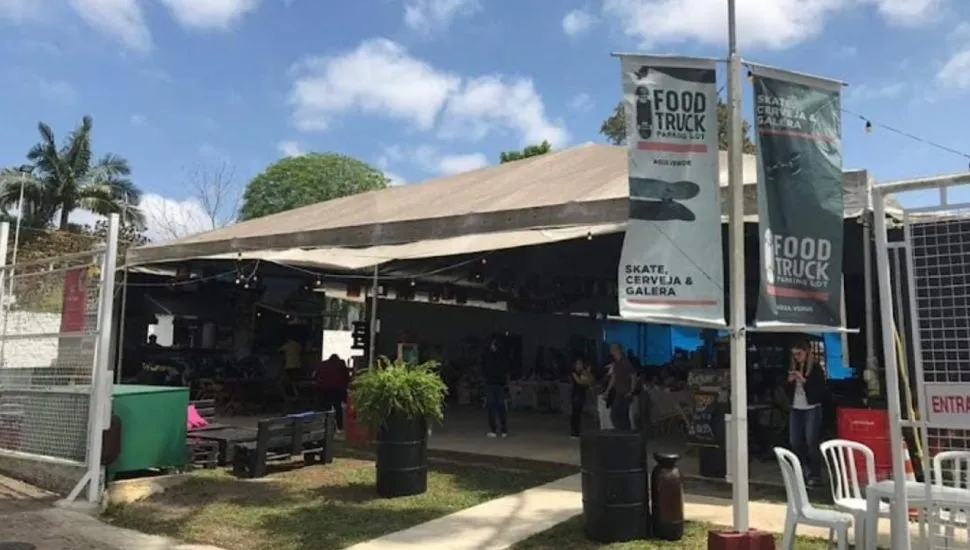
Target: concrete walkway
<point x="500" y="523"/>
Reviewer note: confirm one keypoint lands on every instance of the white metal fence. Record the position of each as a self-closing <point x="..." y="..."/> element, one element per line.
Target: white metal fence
<point x="55" y="389"/>
<point x="930" y="267"/>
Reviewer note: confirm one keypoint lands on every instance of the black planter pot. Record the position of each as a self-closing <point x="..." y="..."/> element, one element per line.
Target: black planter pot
<point x="402" y="457"/>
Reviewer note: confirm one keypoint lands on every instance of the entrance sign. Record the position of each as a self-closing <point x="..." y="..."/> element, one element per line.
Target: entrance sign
<point x="947" y="404"/>
<point x="671" y="265"/>
<point x="800" y="204"/>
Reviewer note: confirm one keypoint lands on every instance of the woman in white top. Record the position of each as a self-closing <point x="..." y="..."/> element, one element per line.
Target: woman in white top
<point x="806" y="389"/>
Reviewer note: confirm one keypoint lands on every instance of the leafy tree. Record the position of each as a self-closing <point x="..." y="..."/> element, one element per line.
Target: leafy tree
<point x="614" y="128"/>
<point x="298" y="181"/>
<point x="529" y="151"/>
<point x="61" y="179"/>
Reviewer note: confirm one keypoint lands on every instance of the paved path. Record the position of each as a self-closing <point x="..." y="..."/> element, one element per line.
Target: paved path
<point x="28" y="521"/>
<point x="497" y="524"/>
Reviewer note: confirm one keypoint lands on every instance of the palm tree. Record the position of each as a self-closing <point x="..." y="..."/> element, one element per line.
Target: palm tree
<point x="60" y="180"/>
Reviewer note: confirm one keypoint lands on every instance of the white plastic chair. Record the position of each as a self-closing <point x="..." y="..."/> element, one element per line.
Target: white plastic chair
<point x="801" y="511"/>
<point x="844" y="478"/>
<point x="957" y="464"/>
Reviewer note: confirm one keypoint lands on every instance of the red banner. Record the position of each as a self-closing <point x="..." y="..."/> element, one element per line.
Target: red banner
<point x="75" y="300"/>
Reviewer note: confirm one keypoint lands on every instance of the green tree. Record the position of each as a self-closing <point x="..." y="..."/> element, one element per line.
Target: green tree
<point x="61" y="179"/>
<point x="529" y="151"/>
<point x="614" y="128"/>
<point x="302" y="180"/>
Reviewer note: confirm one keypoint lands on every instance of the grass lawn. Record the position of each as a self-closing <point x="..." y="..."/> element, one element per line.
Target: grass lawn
<point x="324" y="506"/>
<point x="569" y="536"/>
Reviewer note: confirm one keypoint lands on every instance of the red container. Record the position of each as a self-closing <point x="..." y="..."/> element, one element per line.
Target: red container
<point x="871" y="428"/>
<point x="354" y="430"/>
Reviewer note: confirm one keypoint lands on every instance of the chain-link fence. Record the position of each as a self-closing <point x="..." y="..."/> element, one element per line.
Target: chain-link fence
<point x="51" y="322"/>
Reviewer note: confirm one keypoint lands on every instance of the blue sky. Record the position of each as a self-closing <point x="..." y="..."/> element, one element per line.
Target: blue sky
<point x="422" y="88"/>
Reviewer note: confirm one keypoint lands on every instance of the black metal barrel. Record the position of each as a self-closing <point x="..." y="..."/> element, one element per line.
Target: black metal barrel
<point x="402" y="457"/>
<point x="615" y="486"/>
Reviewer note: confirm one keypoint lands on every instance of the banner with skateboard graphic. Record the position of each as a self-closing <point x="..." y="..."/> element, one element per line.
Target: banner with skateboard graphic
<point x="671" y="267"/>
<point x="800" y="204"/>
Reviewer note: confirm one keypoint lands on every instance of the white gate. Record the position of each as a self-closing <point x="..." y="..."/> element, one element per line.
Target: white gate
<point x="927" y="266"/>
<point x="55" y="330"/>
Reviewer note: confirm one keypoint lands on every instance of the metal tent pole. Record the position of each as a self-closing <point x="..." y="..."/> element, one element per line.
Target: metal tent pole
<point x="372" y="340"/>
<point x="739" y="383"/>
<point x="867" y="286"/>
<point x="900" y="514"/>
<point x="120" y="348"/>
<point x="4" y="297"/>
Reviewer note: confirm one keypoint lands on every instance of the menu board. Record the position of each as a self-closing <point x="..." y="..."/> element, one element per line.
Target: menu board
<point x="706" y="415"/>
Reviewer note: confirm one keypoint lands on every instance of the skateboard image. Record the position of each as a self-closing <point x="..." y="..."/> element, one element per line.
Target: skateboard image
<point x="644" y="113"/>
<point x="656" y="200"/>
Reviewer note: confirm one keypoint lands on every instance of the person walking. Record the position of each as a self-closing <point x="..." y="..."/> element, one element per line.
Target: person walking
<point x="332" y="378"/>
<point x="622" y="382"/>
<point x="581" y="379"/>
<point x="806" y="390"/>
<point x="495" y="373"/>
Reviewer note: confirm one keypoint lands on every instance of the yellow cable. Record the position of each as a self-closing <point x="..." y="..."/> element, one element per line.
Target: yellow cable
<point x="904" y="372"/>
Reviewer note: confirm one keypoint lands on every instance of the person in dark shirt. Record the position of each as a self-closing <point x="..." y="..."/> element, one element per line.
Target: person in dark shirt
<point x="332" y="378"/>
<point x="581" y="378"/>
<point x="495" y="373"/>
<point x="622" y="382"/>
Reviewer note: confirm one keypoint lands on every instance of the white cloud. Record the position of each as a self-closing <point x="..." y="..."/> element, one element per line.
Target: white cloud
<point x="120" y="19"/>
<point x="864" y="92"/>
<point x="955" y="72"/>
<point x="396" y="179"/>
<point x="493" y="103"/>
<point x="289" y="148"/>
<point x="580" y="102"/>
<point x="908" y="12"/>
<point x="209" y="14"/>
<point x="168" y="218"/>
<point x="456" y="164"/>
<point x="427" y="16"/>
<point x="431" y="160"/>
<point x="165" y="218"/>
<point x="772" y="24"/>
<point x="137" y="120"/>
<point x="380" y="78"/>
<point x="125" y="20"/>
<point x="577" y="22"/>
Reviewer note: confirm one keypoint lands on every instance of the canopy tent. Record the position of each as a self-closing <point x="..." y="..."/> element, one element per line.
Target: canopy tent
<point x="563" y="194"/>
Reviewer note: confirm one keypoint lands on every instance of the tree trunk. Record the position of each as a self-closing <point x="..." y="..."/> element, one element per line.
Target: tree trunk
<point x="65" y="214"/>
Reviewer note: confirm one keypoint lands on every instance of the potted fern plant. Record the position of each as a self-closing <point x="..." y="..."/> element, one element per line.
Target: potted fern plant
<point x="397" y="399"/>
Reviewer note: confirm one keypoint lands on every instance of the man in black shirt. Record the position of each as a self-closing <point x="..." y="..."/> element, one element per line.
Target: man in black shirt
<point x="495" y="373"/>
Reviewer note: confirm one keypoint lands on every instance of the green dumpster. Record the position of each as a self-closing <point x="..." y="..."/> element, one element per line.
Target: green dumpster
<point x="153" y="420"/>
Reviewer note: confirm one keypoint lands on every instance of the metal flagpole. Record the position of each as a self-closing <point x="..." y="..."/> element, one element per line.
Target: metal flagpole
<point x="739" y="383"/>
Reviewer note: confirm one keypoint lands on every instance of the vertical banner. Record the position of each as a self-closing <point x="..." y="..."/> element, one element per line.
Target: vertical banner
<point x="800" y="203"/>
<point x="671" y="266"/>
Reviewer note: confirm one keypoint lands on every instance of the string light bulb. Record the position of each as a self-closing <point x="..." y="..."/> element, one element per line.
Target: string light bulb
<point x="589" y="235"/>
<point x="484" y="261"/>
<point x="868" y="127"/>
<point x="413" y="283"/>
<point x="750" y="76"/>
